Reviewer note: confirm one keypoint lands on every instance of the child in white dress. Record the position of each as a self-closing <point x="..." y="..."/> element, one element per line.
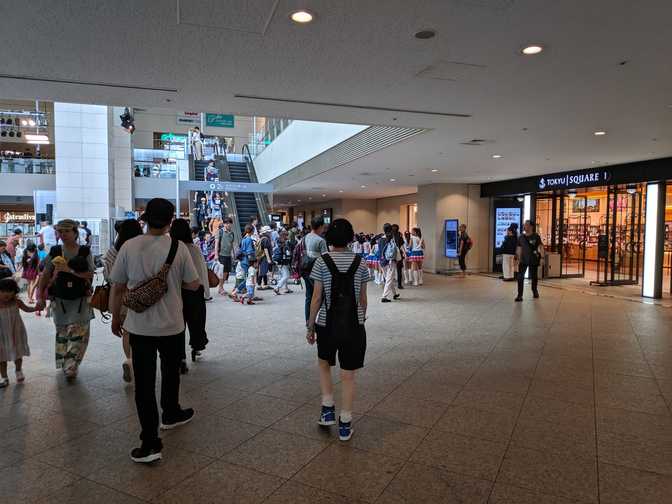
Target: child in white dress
<point x="13" y="337"/>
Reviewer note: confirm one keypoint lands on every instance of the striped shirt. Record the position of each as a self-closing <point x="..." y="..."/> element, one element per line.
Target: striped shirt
<point x="320" y="273"/>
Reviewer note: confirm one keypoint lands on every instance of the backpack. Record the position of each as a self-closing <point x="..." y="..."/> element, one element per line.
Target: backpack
<point x="302" y="262"/>
<point x="342" y="317"/>
<point x="69" y="286"/>
<point x="384" y="261"/>
<point x="259" y="249"/>
<point x="147" y="293"/>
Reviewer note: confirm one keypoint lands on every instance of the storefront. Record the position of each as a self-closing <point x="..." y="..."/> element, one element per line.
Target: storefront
<point x="594" y="223"/>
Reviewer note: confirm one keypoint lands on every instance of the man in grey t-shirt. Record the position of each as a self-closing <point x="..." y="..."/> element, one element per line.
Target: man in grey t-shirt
<point x="315" y="246"/>
<point x="224" y="251"/>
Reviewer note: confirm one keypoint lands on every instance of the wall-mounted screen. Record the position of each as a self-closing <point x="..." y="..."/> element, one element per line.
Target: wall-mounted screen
<point x="451" y="228"/>
<point x="590" y="204"/>
<point x="504" y="217"/>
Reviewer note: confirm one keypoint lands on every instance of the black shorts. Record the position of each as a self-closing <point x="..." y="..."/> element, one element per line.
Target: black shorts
<point x="350" y="350"/>
<point x="226" y="263"/>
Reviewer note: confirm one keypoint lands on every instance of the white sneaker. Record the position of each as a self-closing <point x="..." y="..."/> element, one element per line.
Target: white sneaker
<point x="4" y="382"/>
<point x="20" y="378"/>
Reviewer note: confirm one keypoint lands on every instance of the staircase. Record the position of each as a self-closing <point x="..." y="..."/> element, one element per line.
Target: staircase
<point x="246" y="203"/>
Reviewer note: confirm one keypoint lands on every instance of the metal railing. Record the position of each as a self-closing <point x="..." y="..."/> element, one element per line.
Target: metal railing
<point x="31" y="166"/>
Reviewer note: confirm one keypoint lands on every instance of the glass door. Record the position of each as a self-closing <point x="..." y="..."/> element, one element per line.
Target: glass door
<point x="573" y="232"/>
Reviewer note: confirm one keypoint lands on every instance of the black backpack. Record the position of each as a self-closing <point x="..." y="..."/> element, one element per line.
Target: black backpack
<point x="342" y="319"/>
<point x="66" y="285"/>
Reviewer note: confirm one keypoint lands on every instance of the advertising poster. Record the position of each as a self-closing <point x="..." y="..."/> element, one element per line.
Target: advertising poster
<point x="504" y="217"/>
<point x="451" y="227"/>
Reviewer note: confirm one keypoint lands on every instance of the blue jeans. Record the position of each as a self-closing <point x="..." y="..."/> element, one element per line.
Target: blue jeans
<point x="310" y="286"/>
<point x="242" y="288"/>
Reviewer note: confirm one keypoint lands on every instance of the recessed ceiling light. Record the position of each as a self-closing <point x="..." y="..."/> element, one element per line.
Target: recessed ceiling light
<point x="340" y="190"/>
<point x="363" y="186"/>
<point x="600" y="133"/>
<point x="425" y="34"/>
<point x="496" y="156"/>
<point x="324" y="195"/>
<point x="298" y="201"/>
<point x="393" y="180"/>
<point x="435" y="170"/>
<point x="302" y="16"/>
<point x="531" y="50"/>
<point x="310" y="197"/>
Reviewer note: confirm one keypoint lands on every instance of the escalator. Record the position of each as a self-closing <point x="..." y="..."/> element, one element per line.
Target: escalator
<point x="246" y="203"/>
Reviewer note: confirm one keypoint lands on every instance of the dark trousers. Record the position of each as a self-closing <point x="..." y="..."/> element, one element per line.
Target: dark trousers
<point x="522" y="268"/>
<point x="194" y="312"/>
<point x="463" y="261"/>
<point x="144" y="350"/>
<point x="400" y="269"/>
<point x="310" y="286"/>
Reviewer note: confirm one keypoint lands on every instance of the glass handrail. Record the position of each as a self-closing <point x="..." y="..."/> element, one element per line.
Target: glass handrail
<point x="31" y="166"/>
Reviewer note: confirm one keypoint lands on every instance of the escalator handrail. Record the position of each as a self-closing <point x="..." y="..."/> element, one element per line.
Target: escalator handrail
<point x="262" y="201"/>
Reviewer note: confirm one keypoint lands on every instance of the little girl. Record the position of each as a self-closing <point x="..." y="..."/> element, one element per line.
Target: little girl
<point x="373" y="263"/>
<point x="13" y="337"/>
<point x="30" y="264"/>
<point x="250" y="282"/>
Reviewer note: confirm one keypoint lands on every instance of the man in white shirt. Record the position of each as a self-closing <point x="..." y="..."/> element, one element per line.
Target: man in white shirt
<point x="160" y="328"/>
<point x="47" y="235"/>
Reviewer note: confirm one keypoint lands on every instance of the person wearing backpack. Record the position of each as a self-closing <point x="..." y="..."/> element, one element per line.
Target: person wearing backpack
<point x="389" y="255"/>
<point x="530" y="254"/>
<point x="148" y="277"/>
<point x="224" y="251"/>
<point x="69" y="290"/>
<point x="282" y="255"/>
<point x="309" y="250"/>
<point x="336" y="322"/>
<point x="246" y="252"/>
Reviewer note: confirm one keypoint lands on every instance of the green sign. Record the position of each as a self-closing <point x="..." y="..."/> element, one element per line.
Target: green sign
<point x="219" y="120"/>
<point x="172" y="137"/>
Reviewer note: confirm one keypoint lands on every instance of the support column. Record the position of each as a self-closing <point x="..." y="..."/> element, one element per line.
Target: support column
<point x="82" y="169"/>
<point x="654" y="240"/>
<point x="121" y="165"/>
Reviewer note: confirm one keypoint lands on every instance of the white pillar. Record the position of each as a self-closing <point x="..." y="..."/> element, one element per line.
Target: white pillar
<point x="121" y="164"/>
<point x="654" y="239"/>
<point x="82" y="168"/>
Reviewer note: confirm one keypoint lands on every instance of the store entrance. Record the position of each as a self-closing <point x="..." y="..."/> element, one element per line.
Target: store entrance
<point x="593" y="233"/>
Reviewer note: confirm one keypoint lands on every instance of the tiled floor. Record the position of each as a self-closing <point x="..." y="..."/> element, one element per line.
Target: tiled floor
<point x="466" y="397"/>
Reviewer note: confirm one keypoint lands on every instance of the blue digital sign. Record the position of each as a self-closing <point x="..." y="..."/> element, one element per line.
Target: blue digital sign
<point x="451" y="228"/>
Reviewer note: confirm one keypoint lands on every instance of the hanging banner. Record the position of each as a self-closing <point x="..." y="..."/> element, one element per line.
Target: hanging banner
<point x="194" y="185"/>
<point x="189" y="118"/>
<point x="220" y="120"/>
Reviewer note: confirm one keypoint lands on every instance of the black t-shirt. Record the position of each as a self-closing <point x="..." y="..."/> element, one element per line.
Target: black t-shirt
<point x="529" y="245"/>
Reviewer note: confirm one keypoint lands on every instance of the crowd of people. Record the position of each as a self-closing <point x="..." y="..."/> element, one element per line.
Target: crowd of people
<point x="158" y="281"/>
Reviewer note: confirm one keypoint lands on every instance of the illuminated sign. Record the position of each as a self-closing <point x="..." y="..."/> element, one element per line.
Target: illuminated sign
<point x="574" y="179"/>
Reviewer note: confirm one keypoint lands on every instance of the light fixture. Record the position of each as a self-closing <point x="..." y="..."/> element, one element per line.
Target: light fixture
<point x="324" y="195"/>
<point x="38" y="142"/>
<point x="631" y="189"/>
<point x="434" y="170"/>
<point x="24" y="122"/>
<point x="340" y="190"/>
<point x="393" y="180"/>
<point x="127" y="121"/>
<point x="36" y="137"/>
<point x="425" y="34"/>
<point x="302" y="16"/>
<point x="496" y="156"/>
<point x="31" y="122"/>
<point x="571" y="194"/>
<point x="363" y="186"/>
<point x="310" y="197"/>
<point x="600" y="133"/>
<point x="531" y="50"/>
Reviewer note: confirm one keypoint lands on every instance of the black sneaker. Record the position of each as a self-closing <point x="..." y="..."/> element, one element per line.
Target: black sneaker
<point x="400" y="287"/>
<point x="385" y="300"/>
<point x="518" y="299"/>
<point x="184" y="369"/>
<point x="182" y="417"/>
<point x="536" y="295"/>
<point x="396" y="296"/>
<point x="147" y="454"/>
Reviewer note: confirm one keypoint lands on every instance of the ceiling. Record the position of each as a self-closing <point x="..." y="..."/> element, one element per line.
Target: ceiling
<point x="606" y="67"/>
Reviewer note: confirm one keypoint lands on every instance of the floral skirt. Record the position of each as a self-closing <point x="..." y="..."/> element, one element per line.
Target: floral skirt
<point x="71" y="343"/>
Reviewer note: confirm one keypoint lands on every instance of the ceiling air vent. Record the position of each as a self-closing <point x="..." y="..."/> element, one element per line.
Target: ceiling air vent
<point x="476" y="142"/>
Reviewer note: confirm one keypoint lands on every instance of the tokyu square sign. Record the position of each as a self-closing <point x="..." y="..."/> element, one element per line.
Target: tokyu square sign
<point x="572" y="180"/>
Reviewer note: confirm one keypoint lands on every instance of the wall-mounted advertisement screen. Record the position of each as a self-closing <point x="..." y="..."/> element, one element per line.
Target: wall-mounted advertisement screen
<point x="504" y="217"/>
<point x="451" y="227"/>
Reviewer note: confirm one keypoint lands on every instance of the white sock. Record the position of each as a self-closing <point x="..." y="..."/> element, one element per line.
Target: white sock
<point x="328" y="400"/>
<point x="346" y="416"/>
<point x="420" y="277"/>
<point x="415" y="277"/>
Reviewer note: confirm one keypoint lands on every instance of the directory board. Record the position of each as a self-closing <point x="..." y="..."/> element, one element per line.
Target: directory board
<point x="504" y="217"/>
<point x="451" y="229"/>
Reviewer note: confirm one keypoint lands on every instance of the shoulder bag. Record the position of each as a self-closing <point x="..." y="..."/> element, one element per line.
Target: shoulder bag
<point x="147" y="293"/>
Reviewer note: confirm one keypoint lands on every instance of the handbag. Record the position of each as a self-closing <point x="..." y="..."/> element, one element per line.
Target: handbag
<point x="101" y="298"/>
<point x="213" y="279"/>
<point x="147" y="293"/>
